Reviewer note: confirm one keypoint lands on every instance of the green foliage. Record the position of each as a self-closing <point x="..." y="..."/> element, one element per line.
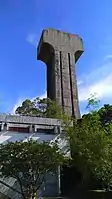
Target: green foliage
<point x="105" y="114"/>
<point x="40" y="108"/>
<point x="28" y="162"/>
<point x="91" y="149"/>
<point x="93" y="103"/>
<point x="90" y="137"/>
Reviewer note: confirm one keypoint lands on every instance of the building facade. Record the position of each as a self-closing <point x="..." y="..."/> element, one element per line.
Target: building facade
<point x="16" y="128"/>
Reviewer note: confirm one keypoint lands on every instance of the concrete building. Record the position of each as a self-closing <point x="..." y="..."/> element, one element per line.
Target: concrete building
<point x="60" y="52"/>
<point x="15" y="128"/>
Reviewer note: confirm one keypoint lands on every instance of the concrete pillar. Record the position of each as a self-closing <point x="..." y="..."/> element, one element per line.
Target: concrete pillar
<point x="2" y="126"/>
<point x="74" y="89"/>
<point x="32" y="128"/>
<point x="6" y="127"/>
<point x="56" y="130"/>
<point x="60" y="51"/>
<point x="57" y="78"/>
<point x="66" y="89"/>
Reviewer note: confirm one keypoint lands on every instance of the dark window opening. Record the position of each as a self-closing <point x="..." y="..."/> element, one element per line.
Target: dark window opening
<point x="19" y="129"/>
<point x="33" y="128"/>
<point x="45" y="131"/>
<point x="5" y="125"/>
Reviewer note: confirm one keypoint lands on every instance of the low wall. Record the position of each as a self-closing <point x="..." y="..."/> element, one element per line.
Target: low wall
<point x="29" y="120"/>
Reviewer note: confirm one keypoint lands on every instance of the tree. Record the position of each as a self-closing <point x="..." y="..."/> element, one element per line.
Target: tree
<point x="93" y="103"/>
<point x="105" y="114"/>
<point x="91" y="149"/>
<point x="28" y="162"/>
<point x="40" y="108"/>
<point x="90" y="139"/>
<point x="27" y="108"/>
<point x="91" y="143"/>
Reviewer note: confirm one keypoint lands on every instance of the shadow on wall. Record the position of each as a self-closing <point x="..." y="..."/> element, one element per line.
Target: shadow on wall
<point x="70" y="186"/>
<point x="70" y="178"/>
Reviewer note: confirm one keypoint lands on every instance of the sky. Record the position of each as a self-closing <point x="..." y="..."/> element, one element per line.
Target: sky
<point x="22" y="21"/>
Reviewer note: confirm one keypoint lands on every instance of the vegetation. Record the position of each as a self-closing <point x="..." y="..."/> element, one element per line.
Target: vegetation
<point x="92" y="149"/>
<point x="105" y="114"/>
<point x="39" y="108"/>
<point x="90" y="139"/>
<point x="28" y="162"/>
<point x="93" y="103"/>
<point x="91" y="144"/>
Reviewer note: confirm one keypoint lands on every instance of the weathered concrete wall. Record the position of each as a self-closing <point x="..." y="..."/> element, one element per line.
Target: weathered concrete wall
<point x="60" y="51"/>
<point x="61" y="41"/>
<point x="51" y="185"/>
<point x="28" y="120"/>
<point x="33" y="123"/>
